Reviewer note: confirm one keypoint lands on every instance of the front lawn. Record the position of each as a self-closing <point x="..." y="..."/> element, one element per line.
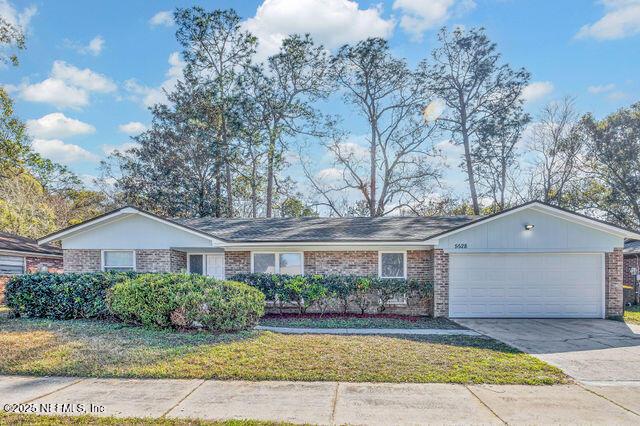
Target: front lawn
<point x="46" y="420"/>
<point x="356" y="321"/>
<point x="102" y="349"/>
<point x="632" y="314"/>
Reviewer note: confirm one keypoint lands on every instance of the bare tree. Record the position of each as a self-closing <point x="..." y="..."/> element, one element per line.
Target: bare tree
<point x="476" y="88"/>
<point x="496" y="158"/>
<point x="556" y="150"/>
<point x="396" y="170"/>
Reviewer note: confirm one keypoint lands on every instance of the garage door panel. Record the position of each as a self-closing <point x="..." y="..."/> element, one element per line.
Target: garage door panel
<point x="526" y="285"/>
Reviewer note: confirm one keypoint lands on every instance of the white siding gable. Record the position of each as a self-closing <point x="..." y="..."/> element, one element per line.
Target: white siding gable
<point x="134" y="232"/>
<point x="550" y="233"/>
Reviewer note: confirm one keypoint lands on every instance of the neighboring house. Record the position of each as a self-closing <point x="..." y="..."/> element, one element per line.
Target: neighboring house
<point x="631" y="263"/>
<point x="533" y="260"/>
<point x="19" y="255"/>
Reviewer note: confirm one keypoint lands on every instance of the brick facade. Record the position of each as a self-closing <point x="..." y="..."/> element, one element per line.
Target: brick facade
<point x="236" y="262"/>
<point x="48" y="264"/>
<point x="178" y="261"/>
<point x="440" y="283"/>
<point x="614" y="307"/>
<point x="630" y="261"/>
<point x="82" y="260"/>
<point x="153" y="260"/>
<point x="341" y="262"/>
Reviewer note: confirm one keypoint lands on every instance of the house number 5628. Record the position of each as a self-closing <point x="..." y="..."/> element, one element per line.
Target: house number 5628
<point x="460" y="245"/>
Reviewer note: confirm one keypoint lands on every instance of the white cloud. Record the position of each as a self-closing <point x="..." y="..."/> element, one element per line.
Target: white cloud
<point x="132" y="128"/>
<point x="537" y="90"/>
<point x="67" y="87"/>
<point x="57" y="125"/>
<point x="330" y="174"/>
<point x="164" y="18"/>
<point x="110" y="149"/>
<point x="20" y="19"/>
<point x="149" y="96"/>
<point x="420" y="15"/>
<point x="621" y="19"/>
<point x="618" y="95"/>
<point x="450" y="152"/>
<point x="603" y="88"/>
<point x="330" y="22"/>
<point x="60" y="152"/>
<point x="94" y="47"/>
<point x="55" y="92"/>
<point x="82" y="78"/>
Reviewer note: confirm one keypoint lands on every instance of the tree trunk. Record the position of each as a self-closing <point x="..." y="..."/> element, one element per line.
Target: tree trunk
<point x="270" y="177"/>
<point x="467" y="157"/>
<point x="373" y="157"/>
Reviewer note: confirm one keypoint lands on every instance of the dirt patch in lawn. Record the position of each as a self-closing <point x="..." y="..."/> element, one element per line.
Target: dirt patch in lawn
<point x="356" y="321"/>
<point x="101" y="349"/>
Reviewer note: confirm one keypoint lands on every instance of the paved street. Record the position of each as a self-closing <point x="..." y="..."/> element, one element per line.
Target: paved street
<point x="330" y="402"/>
<point x="592" y="351"/>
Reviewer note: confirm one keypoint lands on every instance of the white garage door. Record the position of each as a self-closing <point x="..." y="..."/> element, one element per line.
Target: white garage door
<point x="533" y="285"/>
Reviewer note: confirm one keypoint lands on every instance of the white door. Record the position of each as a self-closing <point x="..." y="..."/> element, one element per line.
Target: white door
<point x="215" y="266"/>
<point x="528" y="285"/>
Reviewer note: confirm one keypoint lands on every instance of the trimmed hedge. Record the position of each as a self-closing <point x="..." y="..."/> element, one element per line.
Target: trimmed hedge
<point x="185" y="300"/>
<point x="320" y="290"/>
<point x="61" y="296"/>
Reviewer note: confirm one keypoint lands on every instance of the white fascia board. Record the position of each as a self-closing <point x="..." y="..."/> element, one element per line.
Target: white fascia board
<point x="547" y="210"/>
<point x="328" y="246"/>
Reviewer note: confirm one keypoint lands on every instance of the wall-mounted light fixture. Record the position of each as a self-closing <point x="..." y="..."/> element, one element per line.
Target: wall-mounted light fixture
<point x="528" y="227"/>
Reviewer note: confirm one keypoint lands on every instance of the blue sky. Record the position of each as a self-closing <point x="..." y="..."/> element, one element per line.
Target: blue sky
<point x="91" y="68"/>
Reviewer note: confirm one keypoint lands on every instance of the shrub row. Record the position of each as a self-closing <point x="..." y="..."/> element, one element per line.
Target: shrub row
<point x="305" y="291"/>
<point x="184" y="300"/>
<point x="62" y="296"/>
<point x="152" y="300"/>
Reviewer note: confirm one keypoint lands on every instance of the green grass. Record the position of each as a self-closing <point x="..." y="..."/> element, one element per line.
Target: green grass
<point x="632" y="314"/>
<point x="46" y="420"/>
<point x="102" y="349"/>
<point x="351" y="321"/>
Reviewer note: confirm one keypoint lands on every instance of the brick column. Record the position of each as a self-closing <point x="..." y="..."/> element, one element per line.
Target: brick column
<point x="613" y="292"/>
<point x="440" y="283"/>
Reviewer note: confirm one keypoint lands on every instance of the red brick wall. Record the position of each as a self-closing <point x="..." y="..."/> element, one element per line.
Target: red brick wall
<point x="341" y="262"/>
<point x="614" y="307"/>
<point x="53" y="264"/>
<point x="82" y="260"/>
<point x="153" y="260"/>
<point x="630" y="261"/>
<point x="237" y="262"/>
<point x="440" y="283"/>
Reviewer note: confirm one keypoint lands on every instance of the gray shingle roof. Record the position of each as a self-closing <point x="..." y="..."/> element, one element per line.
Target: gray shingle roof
<point x="22" y="244"/>
<point x="632" y="247"/>
<point x="313" y="229"/>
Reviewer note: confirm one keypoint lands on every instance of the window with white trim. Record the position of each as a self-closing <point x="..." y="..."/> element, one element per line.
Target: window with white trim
<point x="11" y="265"/>
<point x="290" y="263"/>
<point x="392" y="265"/>
<point x="118" y="260"/>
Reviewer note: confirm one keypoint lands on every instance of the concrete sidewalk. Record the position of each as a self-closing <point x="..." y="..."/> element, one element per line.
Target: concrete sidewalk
<point x="325" y="402"/>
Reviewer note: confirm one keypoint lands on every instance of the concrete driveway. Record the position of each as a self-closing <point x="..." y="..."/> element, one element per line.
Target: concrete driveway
<point x="590" y="350"/>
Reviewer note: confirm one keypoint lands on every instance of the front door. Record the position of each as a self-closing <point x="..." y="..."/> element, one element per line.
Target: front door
<point x="215" y="266"/>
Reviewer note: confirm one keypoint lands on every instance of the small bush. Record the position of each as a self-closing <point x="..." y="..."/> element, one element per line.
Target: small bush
<point x="221" y="305"/>
<point x="184" y="300"/>
<point x="61" y="296"/>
